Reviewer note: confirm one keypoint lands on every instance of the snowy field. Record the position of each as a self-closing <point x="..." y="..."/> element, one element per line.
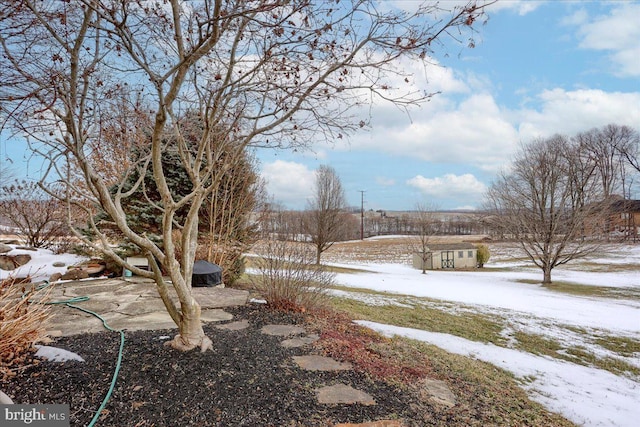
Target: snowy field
<point x="507" y="290"/>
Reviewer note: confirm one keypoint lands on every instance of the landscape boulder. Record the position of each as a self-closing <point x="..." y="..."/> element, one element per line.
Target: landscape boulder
<point x="75" y="274"/>
<point x="55" y="277"/>
<point x="11" y="262"/>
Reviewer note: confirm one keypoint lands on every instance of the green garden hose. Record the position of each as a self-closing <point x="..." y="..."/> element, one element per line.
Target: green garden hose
<point x="69" y="303"/>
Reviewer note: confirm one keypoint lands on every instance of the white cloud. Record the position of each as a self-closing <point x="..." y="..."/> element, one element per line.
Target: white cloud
<point x="478" y="132"/>
<point x="619" y="33"/>
<point x="449" y="185"/>
<point x="579" y="17"/>
<point x="522" y="7"/>
<point x="570" y="112"/>
<point x="289" y="182"/>
<point x="474" y="131"/>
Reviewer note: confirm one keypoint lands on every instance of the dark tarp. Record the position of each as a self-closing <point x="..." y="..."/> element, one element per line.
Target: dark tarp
<point x="205" y="274"/>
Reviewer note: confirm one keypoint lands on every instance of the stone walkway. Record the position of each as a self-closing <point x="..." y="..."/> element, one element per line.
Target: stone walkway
<point x="337" y="394"/>
<point x="131" y="304"/>
<point x="134" y="304"/>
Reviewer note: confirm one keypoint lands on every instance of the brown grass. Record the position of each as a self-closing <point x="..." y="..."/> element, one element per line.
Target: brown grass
<point x="22" y="321"/>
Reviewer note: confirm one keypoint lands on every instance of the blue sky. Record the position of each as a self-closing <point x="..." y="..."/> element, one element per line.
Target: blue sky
<point x="539" y="68"/>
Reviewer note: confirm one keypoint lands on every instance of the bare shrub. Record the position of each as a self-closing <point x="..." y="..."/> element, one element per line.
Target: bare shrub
<point x="21" y="322"/>
<point x="289" y="278"/>
<point x="35" y="216"/>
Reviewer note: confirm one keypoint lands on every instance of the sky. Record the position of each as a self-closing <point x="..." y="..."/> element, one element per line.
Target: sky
<point x="538" y="69"/>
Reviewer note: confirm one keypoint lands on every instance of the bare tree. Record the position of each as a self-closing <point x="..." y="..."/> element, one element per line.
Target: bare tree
<point x="628" y="145"/>
<point x="426" y="225"/>
<point x="6" y="173"/>
<point x="324" y="220"/>
<point x="540" y="206"/>
<point x="269" y="73"/>
<point x="605" y="149"/>
<point x="35" y="216"/>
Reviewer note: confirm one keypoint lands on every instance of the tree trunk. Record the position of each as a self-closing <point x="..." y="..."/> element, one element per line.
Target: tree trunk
<point x="547" y="275"/>
<point x="318" y="255"/>
<point x="191" y="333"/>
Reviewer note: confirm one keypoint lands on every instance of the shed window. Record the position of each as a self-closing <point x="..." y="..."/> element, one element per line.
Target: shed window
<point x="460" y="254"/>
<point x="470" y="254"/>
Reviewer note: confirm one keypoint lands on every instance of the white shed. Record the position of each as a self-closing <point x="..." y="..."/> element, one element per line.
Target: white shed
<point x="447" y="256"/>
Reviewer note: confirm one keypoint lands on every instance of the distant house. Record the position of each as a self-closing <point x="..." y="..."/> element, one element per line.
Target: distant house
<point x="447" y="256"/>
<point x="624" y="218"/>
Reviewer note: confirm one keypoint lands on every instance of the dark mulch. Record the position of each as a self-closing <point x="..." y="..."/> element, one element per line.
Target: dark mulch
<point x="248" y="379"/>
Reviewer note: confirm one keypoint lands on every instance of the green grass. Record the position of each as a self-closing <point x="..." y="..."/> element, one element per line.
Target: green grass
<point x="472" y="326"/>
<point x="540" y="345"/>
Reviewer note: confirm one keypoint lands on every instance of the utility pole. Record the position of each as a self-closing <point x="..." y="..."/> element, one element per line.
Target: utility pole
<point x="362" y="214"/>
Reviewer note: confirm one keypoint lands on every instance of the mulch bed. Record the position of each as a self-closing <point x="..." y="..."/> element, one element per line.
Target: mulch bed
<point x="248" y="379"/>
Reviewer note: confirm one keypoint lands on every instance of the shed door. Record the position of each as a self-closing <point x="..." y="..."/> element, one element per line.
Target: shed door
<point x="447" y="259"/>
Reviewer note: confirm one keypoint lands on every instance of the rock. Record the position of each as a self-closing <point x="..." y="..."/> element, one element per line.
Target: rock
<point x="5" y="248"/>
<point x="21" y="259"/>
<point x="344" y="394"/>
<point x="59" y="264"/>
<point x="6" y="263"/>
<point x="214" y="297"/>
<point x="234" y="326"/>
<point x="4" y="399"/>
<point x="11" y="262"/>
<point x="437" y="391"/>
<point x="300" y="341"/>
<point x="215" y="315"/>
<point x="282" y="330"/>
<point x="320" y="363"/>
<point x="55" y="277"/>
<point x="75" y="274"/>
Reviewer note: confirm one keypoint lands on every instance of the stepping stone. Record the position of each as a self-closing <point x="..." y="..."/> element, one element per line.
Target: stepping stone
<point x="343" y="394"/>
<point x="149" y="321"/>
<point x="300" y="341"/>
<point x="209" y="297"/>
<point x="215" y="315"/>
<point x="234" y="326"/>
<point x="282" y="330"/>
<point x="320" y="363"/>
<point x="437" y="391"/>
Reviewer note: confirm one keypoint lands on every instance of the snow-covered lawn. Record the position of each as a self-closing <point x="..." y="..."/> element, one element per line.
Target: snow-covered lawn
<point x="584" y="394"/>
